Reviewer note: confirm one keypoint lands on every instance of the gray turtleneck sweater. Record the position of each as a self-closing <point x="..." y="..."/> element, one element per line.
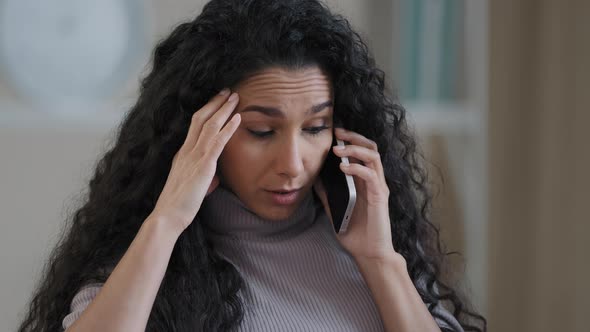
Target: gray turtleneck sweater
<point x="298" y="277"/>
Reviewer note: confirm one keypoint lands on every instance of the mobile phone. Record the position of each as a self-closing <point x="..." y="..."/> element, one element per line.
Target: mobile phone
<point x="339" y="187"/>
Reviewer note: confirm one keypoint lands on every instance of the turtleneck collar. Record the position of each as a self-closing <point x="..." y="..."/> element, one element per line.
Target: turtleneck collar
<point x="223" y="213"/>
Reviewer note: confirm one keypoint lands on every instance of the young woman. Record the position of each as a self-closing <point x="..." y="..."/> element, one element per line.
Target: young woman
<point x="187" y="226"/>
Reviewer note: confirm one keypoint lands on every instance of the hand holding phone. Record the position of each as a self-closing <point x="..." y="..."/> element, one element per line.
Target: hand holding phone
<point x="339" y="189"/>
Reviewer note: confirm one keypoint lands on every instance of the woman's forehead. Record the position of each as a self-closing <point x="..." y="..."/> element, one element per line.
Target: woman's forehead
<point x="280" y="94"/>
<point x="276" y="80"/>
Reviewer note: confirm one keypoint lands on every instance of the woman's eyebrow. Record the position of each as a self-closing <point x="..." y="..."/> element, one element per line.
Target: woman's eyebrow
<point x="277" y="113"/>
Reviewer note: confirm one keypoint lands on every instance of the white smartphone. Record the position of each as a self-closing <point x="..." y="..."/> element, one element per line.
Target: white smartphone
<point x="339" y="187"/>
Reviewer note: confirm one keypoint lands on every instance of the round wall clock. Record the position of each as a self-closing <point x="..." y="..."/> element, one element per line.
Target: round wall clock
<point x="64" y="52"/>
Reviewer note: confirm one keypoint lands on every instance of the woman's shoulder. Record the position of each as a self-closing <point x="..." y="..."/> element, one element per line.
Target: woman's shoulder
<point x="81" y="300"/>
<point x="84" y="296"/>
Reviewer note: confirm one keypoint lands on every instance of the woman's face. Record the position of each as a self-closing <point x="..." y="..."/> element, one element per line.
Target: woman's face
<point x="284" y="136"/>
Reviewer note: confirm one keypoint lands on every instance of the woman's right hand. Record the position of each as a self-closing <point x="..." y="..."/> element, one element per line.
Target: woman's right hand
<point x="192" y="175"/>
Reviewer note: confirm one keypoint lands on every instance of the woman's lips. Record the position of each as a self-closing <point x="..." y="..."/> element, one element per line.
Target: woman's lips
<point x="284" y="198"/>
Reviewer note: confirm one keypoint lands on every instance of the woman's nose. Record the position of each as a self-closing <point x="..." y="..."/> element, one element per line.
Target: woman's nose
<point x="289" y="159"/>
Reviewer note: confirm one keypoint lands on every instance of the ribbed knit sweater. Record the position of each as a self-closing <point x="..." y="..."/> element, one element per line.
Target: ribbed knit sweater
<point x="298" y="277"/>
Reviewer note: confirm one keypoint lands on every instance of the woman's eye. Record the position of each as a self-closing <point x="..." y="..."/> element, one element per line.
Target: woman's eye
<point x="311" y="131"/>
<point x="260" y="133"/>
<point x="316" y="130"/>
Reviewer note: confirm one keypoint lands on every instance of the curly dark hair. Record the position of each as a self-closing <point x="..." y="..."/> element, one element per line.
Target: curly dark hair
<point x="227" y="42"/>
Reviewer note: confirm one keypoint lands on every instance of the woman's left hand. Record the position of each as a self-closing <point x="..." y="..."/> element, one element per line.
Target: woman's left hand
<point x="369" y="234"/>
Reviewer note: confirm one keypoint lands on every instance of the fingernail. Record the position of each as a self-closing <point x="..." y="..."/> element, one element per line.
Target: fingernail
<point x="233" y="97"/>
<point x="339" y="147"/>
<point x="224" y="92"/>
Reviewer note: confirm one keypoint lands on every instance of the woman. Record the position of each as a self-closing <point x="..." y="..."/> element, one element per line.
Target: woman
<point x="184" y="227"/>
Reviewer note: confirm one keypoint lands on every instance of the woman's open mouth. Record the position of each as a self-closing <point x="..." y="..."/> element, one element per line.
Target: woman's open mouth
<point x="284" y="197"/>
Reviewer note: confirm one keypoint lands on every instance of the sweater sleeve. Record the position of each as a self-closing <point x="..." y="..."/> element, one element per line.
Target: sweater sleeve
<point x="87" y="293"/>
<point x="81" y="300"/>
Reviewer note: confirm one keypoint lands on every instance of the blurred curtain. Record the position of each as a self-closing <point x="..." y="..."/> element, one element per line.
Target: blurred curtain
<point x="539" y="124"/>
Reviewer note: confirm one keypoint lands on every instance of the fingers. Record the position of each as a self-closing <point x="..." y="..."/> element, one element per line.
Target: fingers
<point x="213" y="125"/>
<point x="355" y="138"/>
<point x="370" y="158"/>
<point x="202" y="115"/>
<point x="217" y="143"/>
<point x="372" y="180"/>
<point x="365" y="151"/>
<point x="368" y="153"/>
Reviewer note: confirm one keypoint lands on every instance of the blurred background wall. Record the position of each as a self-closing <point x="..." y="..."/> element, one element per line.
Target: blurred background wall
<point x="497" y="92"/>
<point x="539" y="165"/>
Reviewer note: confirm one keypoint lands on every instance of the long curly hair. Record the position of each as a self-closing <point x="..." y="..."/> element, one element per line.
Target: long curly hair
<point x="227" y="42"/>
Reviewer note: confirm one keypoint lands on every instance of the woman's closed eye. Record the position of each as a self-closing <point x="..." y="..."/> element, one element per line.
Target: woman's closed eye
<point x="311" y="131"/>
